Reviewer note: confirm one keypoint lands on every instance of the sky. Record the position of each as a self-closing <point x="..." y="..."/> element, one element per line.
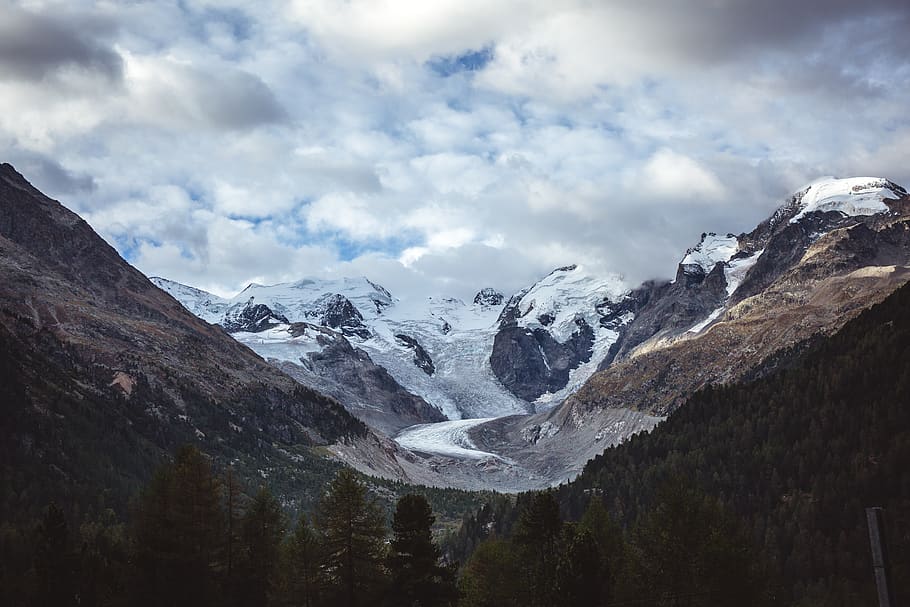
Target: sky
<point x="441" y="147"/>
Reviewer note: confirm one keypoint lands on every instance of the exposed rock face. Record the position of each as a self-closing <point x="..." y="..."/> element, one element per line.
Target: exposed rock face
<point x="554" y="327"/>
<point x="530" y="362"/>
<point x="251" y="318"/>
<point x="363" y="387"/>
<point x="421" y="358"/>
<point x="488" y="297"/>
<point x="93" y="349"/>
<point x="667" y="308"/>
<point x="337" y="312"/>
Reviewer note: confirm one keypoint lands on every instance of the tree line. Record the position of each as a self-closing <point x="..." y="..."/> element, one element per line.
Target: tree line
<point x="686" y="551"/>
<point x="196" y="539"/>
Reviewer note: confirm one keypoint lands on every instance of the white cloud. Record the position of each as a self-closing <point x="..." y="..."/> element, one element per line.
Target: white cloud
<point x="389" y="29"/>
<point x="218" y="144"/>
<point x="670" y="175"/>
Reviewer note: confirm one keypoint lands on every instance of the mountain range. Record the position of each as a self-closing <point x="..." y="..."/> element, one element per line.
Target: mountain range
<point x="537" y="384"/>
<point x="507" y="392"/>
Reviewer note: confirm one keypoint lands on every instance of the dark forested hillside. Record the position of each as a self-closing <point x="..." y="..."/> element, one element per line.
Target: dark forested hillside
<point x="797" y="455"/>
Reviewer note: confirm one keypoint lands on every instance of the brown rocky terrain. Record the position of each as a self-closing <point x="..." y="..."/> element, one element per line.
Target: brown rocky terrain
<point x="102" y="368"/>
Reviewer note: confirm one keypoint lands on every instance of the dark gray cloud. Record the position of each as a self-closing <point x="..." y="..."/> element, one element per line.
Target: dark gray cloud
<point x="721" y="31"/>
<point x="238" y="100"/>
<point x="33" y="47"/>
<point x="50" y="176"/>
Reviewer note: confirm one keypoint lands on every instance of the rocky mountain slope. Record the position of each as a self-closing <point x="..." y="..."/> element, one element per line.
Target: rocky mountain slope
<point x="104" y="373"/>
<point x="552" y="335"/>
<point x="736" y="306"/>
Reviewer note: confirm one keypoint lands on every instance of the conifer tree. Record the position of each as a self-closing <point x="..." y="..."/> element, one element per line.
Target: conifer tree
<point x="417" y="578"/>
<point x="300" y="566"/>
<point x="178" y="533"/>
<point x="492" y="577"/>
<point x="611" y="545"/>
<point x="53" y="560"/>
<point x="262" y="529"/>
<point x="232" y="497"/>
<point x="578" y="572"/>
<point x="536" y="538"/>
<point x="352" y="530"/>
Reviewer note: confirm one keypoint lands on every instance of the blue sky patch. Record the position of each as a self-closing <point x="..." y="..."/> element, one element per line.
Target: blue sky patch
<point x="469" y="61"/>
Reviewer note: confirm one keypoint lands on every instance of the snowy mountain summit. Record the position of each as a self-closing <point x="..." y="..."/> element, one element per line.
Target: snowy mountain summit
<point x="440" y="348"/>
<point x="852" y="196"/>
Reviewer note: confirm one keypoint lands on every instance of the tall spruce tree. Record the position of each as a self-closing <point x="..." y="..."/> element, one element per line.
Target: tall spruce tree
<point x="578" y="571"/>
<point x="301" y="558"/>
<point x="352" y="530"/>
<point x="262" y="529"/>
<point x="536" y="539"/>
<point x="611" y="545"/>
<point x="417" y="578"/>
<point x="178" y="534"/>
<point x="492" y="577"/>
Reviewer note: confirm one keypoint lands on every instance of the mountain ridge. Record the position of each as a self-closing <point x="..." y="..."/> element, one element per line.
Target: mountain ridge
<point x="102" y="366"/>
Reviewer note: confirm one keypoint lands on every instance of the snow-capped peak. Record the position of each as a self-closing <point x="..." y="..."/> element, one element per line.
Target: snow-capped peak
<point x="711" y="250"/>
<point x="561" y="297"/>
<point x="296" y="299"/>
<point x="851" y="196"/>
<point x="488" y="297"/>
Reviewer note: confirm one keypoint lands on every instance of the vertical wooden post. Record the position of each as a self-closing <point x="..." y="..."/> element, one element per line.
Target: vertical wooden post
<point x="875" y="519"/>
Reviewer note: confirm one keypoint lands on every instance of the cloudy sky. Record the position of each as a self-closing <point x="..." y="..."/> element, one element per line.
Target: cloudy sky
<point x="442" y="146"/>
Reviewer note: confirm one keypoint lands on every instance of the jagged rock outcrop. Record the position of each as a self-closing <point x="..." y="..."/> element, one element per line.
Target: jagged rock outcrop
<point x="421" y="358"/>
<point x="488" y="297"/>
<point x="337" y="312"/>
<point x="553" y="328"/>
<point x="530" y="362"/>
<point x="251" y="318"/>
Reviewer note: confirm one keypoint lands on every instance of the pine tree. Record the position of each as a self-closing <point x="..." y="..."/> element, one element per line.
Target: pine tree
<point x="578" y="573"/>
<point x="492" y="577"/>
<point x="301" y="557"/>
<point x="417" y="578"/>
<point x="536" y="538"/>
<point x="232" y="498"/>
<point x="262" y="529"/>
<point x="178" y="533"/>
<point x="352" y="531"/>
<point x="608" y="537"/>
